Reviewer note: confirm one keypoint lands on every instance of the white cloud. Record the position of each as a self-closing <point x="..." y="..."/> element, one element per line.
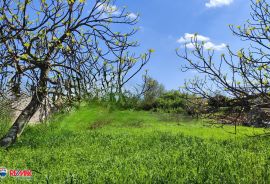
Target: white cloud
<point x="189" y="41"/>
<point x="190" y="45"/>
<point x="110" y="9"/>
<point x="212" y="46"/>
<point x="132" y="16"/>
<point x="113" y="10"/>
<point x="218" y="3"/>
<point x="189" y="37"/>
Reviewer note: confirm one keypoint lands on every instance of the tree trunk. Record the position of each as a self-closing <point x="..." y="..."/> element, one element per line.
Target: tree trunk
<point x="25" y="116"/>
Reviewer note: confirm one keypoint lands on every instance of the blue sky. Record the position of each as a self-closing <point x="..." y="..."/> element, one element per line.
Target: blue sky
<point x="163" y="22"/>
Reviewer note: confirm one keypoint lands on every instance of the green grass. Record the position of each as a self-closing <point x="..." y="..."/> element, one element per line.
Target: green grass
<point x="97" y="145"/>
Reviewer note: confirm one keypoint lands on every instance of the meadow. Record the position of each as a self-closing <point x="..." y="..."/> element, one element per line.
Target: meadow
<point x="101" y="144"/>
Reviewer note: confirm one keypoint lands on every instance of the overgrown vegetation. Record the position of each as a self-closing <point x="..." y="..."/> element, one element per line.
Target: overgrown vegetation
<point x="71" y="57"/>
<point x="137" y="147"/>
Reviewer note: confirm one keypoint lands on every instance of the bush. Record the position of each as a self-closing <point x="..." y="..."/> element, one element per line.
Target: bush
<point x="172" y="102"/>
<point x="130" y="101"/>
<point x="153" y="90"/>
<point x="217" y="102"/>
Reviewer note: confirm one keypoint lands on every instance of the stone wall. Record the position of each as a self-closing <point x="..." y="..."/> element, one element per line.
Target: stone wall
<point x="20" y="103"/>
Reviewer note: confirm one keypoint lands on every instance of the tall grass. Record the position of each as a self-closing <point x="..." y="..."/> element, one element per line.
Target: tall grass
<point x="100" y="145"/>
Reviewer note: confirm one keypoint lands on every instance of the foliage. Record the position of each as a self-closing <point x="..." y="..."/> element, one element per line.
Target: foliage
<point x="153" y="91"/>
<point x="130" y="101"/>
<point x="172" y="102"/>
<point x="65" y="50"/>
<point x="218" y="101"/>
<point x="75" y="45"/>
<point x="176" y="102"/>
<point x="137" y="147"/>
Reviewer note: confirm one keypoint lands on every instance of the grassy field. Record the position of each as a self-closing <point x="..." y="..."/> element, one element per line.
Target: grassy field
<point x="96" y="144"/>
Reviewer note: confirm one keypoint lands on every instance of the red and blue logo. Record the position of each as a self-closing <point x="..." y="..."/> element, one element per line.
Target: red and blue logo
<point x="20" y="173"/>
<point x="3" y="172"/>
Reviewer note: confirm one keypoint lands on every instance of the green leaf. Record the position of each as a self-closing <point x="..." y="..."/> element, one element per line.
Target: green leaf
<point x="24" y="56"/>
<point x="27" y="44"/>
<point x="151" y="50"/>
<point x="240" y="54"/>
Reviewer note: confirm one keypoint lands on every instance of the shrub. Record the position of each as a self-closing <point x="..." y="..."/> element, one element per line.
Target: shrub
<point x="153" y="90"/>
<point x="172" y="102"/>
<point x="218" y="101"/>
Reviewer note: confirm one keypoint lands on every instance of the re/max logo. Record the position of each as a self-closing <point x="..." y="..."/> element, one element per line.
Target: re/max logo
<point x="20" y="173"/>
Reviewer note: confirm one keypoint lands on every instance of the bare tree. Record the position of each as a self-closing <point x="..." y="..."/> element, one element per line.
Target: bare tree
<point x="58" y="47"/>
<point x="243" y="75"/>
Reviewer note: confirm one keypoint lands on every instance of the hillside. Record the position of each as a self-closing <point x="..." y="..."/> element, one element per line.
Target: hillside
<point x="96" y="144"/>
